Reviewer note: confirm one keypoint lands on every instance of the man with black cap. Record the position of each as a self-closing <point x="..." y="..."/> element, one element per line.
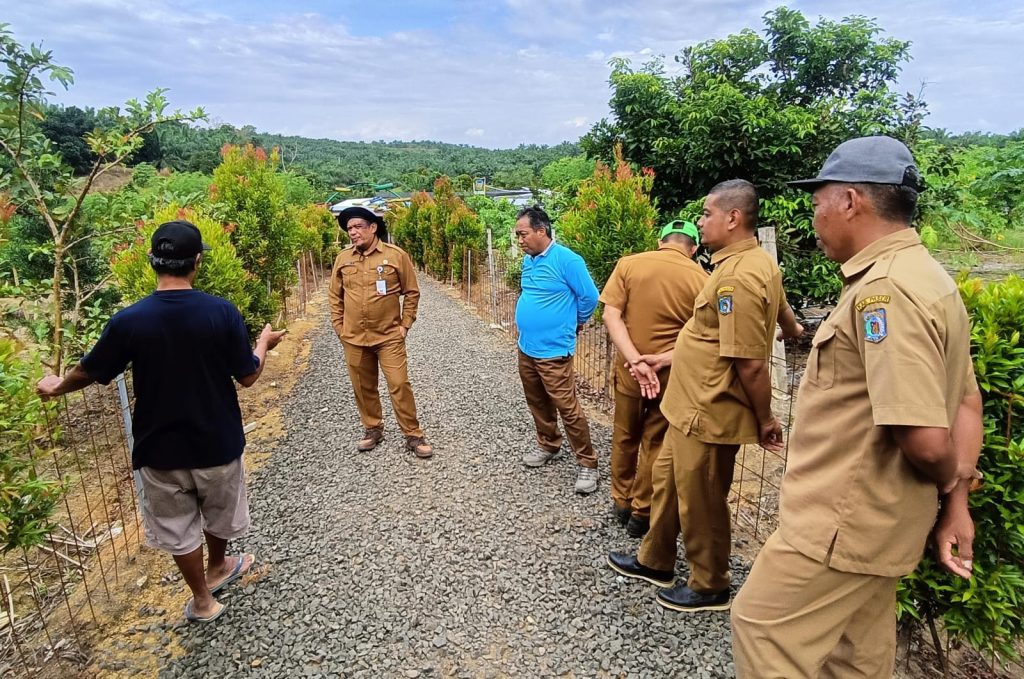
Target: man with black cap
<point x="368" y="279"/>
<point x="887" y="434"/>
<point x="185" y="348"/>
<point x="647" y="301"/>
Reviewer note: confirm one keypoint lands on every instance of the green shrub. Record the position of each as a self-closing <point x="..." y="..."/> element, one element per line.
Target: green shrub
<point x="611" y="216"/>
<point x="987" y="611"/>
<point x="26" y="501"/>
<point x="220" y="272"/>
<point x="436" y="231"/>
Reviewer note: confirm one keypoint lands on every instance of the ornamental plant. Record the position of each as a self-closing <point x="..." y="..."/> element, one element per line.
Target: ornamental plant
<point x="612" y="216"/>
<point x="437" y="230"/>
<point x="220" y="272"/>
<point x="987" y="611"/>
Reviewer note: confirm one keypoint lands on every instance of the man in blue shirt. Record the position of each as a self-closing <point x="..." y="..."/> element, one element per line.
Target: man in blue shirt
<point x="558" y="296"/>
<point x="186" y="349"/>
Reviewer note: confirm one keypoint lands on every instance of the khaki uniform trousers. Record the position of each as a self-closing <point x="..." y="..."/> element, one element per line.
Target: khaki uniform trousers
<point x="362" y="369"/>
<point x="796" y="618"/>
<point x="637" y="437"/>
<point x="549" y="385"/>
<point x="691" y="489"/>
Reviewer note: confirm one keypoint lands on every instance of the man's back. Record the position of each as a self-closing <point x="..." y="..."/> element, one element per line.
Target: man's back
<point x="185" y="347"/>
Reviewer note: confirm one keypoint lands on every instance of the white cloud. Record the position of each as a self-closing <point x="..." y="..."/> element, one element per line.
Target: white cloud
<point x="577" y="122"/>
<point x="474" y="132"/>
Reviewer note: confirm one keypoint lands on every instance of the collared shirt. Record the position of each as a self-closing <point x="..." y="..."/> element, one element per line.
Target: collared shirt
<point x="895" y="351"/>
<point x="734" y="316"/>
<point x="366" y="312"/>
<point x="557" y="295"/>
<point x="655" y="293"/>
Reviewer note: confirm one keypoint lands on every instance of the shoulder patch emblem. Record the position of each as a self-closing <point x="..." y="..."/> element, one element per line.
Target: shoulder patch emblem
<point x="725" y="304"/>
<point x="875" y="326"/>
<point x="873" y="299"/>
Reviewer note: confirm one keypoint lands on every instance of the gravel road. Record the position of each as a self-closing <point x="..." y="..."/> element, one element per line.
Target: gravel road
<point x="466" y="565"/>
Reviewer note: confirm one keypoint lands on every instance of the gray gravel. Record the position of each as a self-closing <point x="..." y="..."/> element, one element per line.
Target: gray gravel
<point x="467" y="565"/>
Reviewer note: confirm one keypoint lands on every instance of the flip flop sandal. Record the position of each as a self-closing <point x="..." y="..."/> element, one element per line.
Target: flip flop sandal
<point x="192" y="617"/>
<point x="234" y="574"/>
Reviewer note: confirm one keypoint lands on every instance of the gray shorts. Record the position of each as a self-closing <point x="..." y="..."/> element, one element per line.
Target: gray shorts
<point x="179" y="504"/>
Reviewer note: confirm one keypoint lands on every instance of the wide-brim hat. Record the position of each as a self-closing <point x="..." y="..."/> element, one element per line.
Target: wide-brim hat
<point x="361" y="212"/>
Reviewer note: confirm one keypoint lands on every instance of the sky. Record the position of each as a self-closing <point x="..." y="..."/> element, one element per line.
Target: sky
<point x="493" y="73"/>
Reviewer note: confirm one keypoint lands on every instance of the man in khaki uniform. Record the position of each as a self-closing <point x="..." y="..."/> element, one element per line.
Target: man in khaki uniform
<point x="647" y="301"/>
<point x="722" y="399"/>
<point x="888" y="417"/>
<point x="366" y="282"/>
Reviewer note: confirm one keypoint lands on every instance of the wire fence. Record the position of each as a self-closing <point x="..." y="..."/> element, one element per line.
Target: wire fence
<point x="488" y="283"/>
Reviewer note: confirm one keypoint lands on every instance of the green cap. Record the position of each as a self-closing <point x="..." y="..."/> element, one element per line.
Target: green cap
<point x="681" y="226"/>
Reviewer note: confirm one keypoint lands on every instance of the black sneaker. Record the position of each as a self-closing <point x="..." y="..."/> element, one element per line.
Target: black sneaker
<point x="621" y="514"/>
<point x="626" y="564"/>
<point x="638" y="526"/>
<point x="685" y="600"/>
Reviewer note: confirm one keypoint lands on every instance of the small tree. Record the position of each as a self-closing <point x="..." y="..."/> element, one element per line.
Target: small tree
<point x="39" y="180"/>
<point x="613" y="215"/>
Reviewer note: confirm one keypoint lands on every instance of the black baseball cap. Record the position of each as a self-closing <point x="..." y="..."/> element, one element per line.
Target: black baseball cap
<point x="356" y="211"/>
<point x="867" y="160"/>
<point x="177" y="240"/>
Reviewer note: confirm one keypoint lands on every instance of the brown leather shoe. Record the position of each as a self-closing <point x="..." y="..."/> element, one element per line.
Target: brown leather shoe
<point x="370" y="439"/>
<point x="419" y="446"/>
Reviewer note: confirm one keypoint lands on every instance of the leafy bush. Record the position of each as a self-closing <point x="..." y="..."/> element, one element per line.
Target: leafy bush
<point x="612" y="216"/>
<point x="807" y="274"/>
<point x="497" y="215"/>
<point x="26" y="501"/>
<point x="988" y="610"/>
<point x="437" y="231"/>
<point x="220" y="272"/>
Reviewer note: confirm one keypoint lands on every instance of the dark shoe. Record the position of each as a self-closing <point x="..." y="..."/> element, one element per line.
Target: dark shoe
<point x="638" y="526"/>
<point x="621" y="514"/>
<point x="626" y="564"/>
<point x="370" y="439"/>
<point x="419" y="447"/>
<point x="685" y="600"/>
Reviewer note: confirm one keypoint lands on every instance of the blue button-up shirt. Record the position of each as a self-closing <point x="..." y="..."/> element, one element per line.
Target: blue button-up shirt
<point x="557" y="295"/>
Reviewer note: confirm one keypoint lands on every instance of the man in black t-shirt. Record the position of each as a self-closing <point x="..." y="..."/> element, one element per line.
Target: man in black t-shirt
<point x="185" y="348"/>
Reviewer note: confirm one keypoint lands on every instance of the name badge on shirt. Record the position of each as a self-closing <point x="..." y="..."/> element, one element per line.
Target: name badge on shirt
<point x="382" y="287"/>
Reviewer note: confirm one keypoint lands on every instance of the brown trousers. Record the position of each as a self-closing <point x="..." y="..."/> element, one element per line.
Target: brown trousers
<point x="796" y="618"/>
<point x="362" y="370"/>
<point x="691" y="489"/>
<point x="550" y="388"/>
<point x="637" y="437"/>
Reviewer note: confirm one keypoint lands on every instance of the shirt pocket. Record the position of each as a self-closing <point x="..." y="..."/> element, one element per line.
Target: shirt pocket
<point x="704" y="316"/>
<point x="348" y="273"/>
<point x="821" y="364"/>
<point x="389" y="273"/>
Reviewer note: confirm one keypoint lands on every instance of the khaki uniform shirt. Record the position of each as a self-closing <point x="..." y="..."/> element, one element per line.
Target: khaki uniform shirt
<point x="655" y="292"/>
<point x="895" y="351"/>
<point x="734" y="316"/>
<point x="364" y="294"/>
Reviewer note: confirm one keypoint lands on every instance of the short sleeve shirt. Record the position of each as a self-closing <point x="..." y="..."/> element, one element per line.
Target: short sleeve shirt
<point x="895" y="351"/>
<point x="185" y="348"/>
<point x="655" y="293"/>
<point x="372" y="294"/>
<point x="734" y="316"/>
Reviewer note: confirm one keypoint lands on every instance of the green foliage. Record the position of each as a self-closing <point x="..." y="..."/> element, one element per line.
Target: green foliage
<point x="26" y="501"/>
<point x="497" y="215"/>
<point x="220" y="272"/>
<point x="565" y="174"/>
<point x="988" y="610"/>
<point x="612" y="216"/>
<point x="765" y="109"/>
<point x="808" y="275"/>
<point x="249" y="194"/>
<point x="436" y="231"/>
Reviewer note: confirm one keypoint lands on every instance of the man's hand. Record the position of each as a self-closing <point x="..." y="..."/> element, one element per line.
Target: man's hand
<point x="955" y="527"/>
<point x="48" y="386"/>
<point x="403" y="331"/>
<point x="270" y="337"/>
<point x="796" y="331"/>
<point x="657" y="361"/>
<point x="646" y="377"/>
<point x="770" y="434"/>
